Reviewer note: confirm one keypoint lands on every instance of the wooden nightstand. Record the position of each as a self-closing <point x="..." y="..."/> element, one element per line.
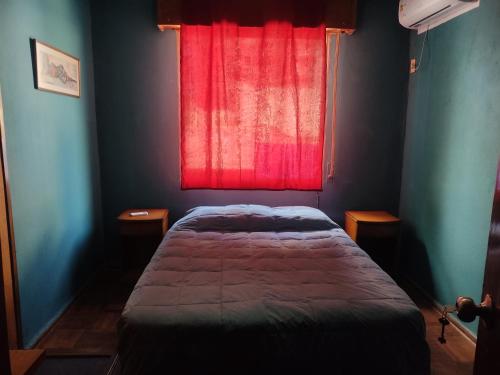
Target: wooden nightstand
<point x="141" y="235"/>
<point x="376" y="232"/>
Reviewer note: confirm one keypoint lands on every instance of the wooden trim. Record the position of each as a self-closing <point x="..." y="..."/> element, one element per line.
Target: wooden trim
<point x="25" y="362"/>
<point x="13" y="311"/>
<point x="4" y="337"/>
<point x="179" y="101"/>
<point x="439" y="309"/>
<point x="328" y="41"/>
<point x="334" y="107"/>
<point x="169" y="27"/>
<point x="329" y="30"/>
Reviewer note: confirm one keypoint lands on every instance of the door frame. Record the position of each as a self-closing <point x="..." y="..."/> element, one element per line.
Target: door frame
<point x="488" y="333"/>
<point x="8" y="247"/>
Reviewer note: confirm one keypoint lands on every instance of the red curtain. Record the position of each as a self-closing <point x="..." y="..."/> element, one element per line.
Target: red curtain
<point x="252" y="105"/>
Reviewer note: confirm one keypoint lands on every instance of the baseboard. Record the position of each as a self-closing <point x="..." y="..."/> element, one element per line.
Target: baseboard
<point x="467" y="333"/>
<point x="33" y="343"/>
<point x="50" y="325"/>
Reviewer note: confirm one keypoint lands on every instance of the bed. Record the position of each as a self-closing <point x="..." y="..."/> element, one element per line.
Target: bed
<point x="248" y="289"/>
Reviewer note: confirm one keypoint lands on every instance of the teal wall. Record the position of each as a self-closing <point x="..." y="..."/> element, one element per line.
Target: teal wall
<point x="52" y="155"/>
<point x="451" y="152"/>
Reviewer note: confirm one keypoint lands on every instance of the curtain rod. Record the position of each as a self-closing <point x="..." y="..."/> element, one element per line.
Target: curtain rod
<point x="329" y="30"/>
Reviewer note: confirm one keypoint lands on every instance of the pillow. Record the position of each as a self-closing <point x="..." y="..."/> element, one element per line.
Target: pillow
<point x="255" y="218"/>
<point x="229" y="209"/>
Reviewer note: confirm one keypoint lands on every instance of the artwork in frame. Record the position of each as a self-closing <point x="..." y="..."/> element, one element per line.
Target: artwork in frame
<point x="56" y="71"/>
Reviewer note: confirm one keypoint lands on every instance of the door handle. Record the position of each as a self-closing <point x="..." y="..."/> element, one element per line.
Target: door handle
<point x="467" y="310"/>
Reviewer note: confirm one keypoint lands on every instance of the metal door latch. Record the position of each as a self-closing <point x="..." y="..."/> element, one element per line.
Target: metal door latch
<point x="443" y="320"/>
<point x="467" y="311"/>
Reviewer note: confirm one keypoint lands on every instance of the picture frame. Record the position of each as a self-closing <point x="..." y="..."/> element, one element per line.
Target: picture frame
<point x="55" y="70"/>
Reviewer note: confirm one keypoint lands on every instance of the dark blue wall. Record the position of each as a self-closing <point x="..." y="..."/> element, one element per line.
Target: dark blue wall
<point x="451" y="153"/>
<point x="53" y="163"/>
<point x="137" y="108"/>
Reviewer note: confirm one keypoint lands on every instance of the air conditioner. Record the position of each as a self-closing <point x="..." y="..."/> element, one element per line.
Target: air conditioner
<point x="423" y="15"/>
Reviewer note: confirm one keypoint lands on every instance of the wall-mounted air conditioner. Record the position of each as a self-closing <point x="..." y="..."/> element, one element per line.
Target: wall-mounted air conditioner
<point x="423" y="15"/>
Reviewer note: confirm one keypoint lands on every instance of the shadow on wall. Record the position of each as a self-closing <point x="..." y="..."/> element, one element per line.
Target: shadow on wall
<point x="64" y="280"/>
<point x="414" y="256"/>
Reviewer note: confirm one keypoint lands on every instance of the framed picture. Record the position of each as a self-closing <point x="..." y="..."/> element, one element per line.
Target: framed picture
<point x="56" y="71"/>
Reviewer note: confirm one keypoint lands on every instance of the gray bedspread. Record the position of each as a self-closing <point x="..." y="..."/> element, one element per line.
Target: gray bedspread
<point x="216" y="299"/>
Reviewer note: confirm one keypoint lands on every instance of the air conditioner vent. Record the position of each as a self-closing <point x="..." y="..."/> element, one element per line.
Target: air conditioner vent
<point x="422" y="15"/>
<point x="428" y="18"/>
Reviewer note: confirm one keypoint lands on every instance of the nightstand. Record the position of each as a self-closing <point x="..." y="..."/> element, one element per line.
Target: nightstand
<point x="376" y="232"/>
<point x="141" y="235"/>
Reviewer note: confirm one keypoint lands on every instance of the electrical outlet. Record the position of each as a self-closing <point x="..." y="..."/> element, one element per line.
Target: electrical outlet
<point x="413" y="66"/>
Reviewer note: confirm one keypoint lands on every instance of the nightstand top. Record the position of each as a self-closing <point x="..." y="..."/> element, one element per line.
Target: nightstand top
<point x="155" y="214"/>
<point x="372" y="216"/>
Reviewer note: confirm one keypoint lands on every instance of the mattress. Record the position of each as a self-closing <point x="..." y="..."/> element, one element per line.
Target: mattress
<point x="254" y="290"/>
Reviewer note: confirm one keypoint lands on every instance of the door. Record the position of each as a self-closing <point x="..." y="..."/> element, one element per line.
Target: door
<point x="488" y="337"/>
<point x="7" y="247"/>
<point x="4" y="340"/>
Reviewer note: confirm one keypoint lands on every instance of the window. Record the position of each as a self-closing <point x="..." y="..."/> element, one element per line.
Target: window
<point x="252" y="105"/>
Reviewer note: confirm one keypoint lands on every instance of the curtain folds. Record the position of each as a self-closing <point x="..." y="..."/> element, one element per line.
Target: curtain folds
<point x="252" y="103"/>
